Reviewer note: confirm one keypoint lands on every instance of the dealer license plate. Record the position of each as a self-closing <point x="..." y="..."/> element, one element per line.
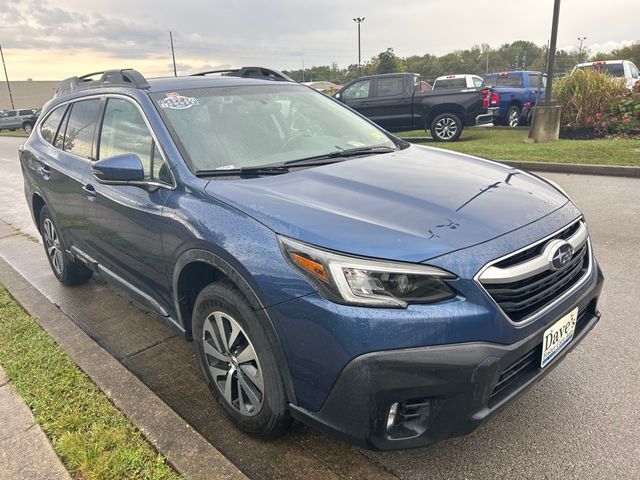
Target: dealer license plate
<point x="558" y="336"/>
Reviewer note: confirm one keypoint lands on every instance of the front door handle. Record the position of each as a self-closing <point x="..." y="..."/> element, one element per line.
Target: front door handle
<point x="89" y="191"/>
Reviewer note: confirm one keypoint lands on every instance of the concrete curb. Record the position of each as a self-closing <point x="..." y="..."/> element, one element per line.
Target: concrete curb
<point x="184" y="448"/>
<point x="574" y="168"/>
<point x="579" y="169"/>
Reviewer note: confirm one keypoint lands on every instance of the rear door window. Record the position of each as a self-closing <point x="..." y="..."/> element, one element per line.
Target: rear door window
<point x="390" y="86"/>
<point x="50" y="126"/>
<point x="81" y="127"/>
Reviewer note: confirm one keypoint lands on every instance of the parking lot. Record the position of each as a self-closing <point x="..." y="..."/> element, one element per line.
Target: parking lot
<point x="581" y="421"/>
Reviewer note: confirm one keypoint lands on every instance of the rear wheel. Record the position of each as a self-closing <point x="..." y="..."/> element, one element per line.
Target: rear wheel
<point x="237" y="360"/>
<point x="446" y="127"/>
<point x="66" y="269"/>
<point x="27" y="127"/>
<point x="513" y="116"/>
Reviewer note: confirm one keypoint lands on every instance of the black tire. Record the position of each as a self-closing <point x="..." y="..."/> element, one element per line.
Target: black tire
<point x="512" y="119"/>
<point x="66" y="269"/>
<point x="446" y="127"/>
<point x="27" y="127"/>
<point x="222" y="300"/>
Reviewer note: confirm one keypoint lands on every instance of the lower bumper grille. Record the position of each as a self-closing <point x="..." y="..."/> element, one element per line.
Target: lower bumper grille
<point x="528" y="364"/>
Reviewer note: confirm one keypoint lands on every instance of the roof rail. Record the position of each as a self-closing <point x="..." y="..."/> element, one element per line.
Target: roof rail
<point x="249" y="72"/>
<point x="127" y="77"/>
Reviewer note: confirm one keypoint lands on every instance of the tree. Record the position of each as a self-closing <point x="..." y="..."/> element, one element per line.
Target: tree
<point x="387" y="62"/>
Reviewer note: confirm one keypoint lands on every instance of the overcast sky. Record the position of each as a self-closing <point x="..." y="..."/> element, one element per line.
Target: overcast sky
<point x="50" y="40"/>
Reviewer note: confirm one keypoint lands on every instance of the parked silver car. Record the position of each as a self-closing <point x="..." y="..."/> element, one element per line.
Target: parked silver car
<point x="15" y="119"/>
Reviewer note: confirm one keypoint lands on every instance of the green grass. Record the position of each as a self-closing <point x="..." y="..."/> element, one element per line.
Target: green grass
<point x="91" y="436"/>
<point x="16" y="133"/>
<point x="507" y="144"/>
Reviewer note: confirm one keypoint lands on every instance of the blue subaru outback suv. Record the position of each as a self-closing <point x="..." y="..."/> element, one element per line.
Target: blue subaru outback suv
<point x="391" y="294"/>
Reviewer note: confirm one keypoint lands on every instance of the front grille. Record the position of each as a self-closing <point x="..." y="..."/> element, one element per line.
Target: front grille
<point x="528" y="365"/>
<point x="523" y="297"/>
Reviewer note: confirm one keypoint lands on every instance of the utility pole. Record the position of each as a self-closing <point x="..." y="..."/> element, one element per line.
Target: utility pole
<point x="303" y="70"/>
<point x="581" y="40"/>
<point x="552" y="51"/>
<point x="4" y="65"/>
<point x="359" y="21"/>
<point x="486" y="72"/>
<point x="173" y="55"/>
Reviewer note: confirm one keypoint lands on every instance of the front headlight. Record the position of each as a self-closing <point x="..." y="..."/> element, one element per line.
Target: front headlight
<point x="357" y="281"/>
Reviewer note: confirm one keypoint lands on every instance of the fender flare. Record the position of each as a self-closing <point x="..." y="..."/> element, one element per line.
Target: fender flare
<point x="219" y="263"/>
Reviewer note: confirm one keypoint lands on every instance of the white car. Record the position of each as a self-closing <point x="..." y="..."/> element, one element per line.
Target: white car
<point x="459" y="82"/>
<point x="616" y="68"/>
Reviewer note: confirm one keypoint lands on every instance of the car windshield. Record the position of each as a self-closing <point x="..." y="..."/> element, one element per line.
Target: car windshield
<point x="229" y="128"/>
<point x="613" y="69"/>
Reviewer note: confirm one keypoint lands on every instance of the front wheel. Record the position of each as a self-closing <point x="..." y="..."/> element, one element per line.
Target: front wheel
<point x="237" y="360"/>
<point x="27" y="127"/>
<point x="446" y="127"/>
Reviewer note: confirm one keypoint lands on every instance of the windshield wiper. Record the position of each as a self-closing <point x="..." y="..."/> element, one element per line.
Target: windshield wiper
<point x="332" y="157"/>
<point x="280" y="168"/>
<point x="258" y="170"/>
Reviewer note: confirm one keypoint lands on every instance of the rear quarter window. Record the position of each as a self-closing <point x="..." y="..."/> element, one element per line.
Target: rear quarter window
<point x="50" y="126"/>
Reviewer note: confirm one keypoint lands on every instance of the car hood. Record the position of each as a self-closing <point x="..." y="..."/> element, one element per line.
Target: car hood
<point x="409" y="205"/>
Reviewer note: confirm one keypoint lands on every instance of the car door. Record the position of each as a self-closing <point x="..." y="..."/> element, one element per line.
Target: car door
<point x="390" y="107"/>
<point x="536" y="87"/>
<point x="8" y="120"/>
<point x="358" y="96"/>
<point x="125" y="221"/>
<point x="62" y="162"/>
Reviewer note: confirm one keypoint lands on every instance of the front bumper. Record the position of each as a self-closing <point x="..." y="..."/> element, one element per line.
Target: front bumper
<point x="448" y="390"/>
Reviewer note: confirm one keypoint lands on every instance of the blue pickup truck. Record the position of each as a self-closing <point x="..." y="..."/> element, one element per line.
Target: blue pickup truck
<point x="510" y="96"/>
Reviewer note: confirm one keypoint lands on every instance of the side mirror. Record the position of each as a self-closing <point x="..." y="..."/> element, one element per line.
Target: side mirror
<point x="337" y="96"/>
<point x="119" y="169"/>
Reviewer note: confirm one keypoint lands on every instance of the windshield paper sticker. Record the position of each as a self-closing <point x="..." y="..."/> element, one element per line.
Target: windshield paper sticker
<point x="174" y="101"/>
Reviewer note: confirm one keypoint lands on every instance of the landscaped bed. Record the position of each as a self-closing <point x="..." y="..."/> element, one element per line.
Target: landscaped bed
<point x="508" y="144"/>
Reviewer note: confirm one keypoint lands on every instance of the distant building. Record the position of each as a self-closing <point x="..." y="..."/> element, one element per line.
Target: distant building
<point x="27" y="94"/>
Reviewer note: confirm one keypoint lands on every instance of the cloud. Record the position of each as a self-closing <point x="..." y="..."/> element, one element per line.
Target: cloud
<point x="281" y="33"/>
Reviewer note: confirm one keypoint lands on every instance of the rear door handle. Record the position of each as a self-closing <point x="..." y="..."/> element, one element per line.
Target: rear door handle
<point x="89" y="191"/>
<point x="45" y="172"/>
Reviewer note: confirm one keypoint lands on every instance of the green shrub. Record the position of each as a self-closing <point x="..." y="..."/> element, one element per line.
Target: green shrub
<point x="586" y="93"/>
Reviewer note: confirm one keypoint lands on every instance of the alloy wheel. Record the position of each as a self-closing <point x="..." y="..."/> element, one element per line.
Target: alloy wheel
<point x="52" y="244"/>
<point x="233" y="363"/>
<point x="446" y="128"/>
<point x="513" y="117"/>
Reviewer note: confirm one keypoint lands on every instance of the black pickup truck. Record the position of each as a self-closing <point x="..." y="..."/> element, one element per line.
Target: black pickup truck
<point x="396" y="102"/>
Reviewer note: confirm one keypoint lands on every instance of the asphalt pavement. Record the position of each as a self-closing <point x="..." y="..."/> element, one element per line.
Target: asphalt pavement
<point x="581" y="421"/>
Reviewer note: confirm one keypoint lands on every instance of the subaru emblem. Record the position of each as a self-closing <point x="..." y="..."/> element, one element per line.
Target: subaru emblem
<point x="560" y="254"/>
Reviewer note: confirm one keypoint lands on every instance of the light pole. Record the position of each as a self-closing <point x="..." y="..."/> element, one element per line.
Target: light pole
<point x="580" y="50"/>
<point x="4" y="65"/>
<point x="173" y="55"/>
<point x="359" y="21"/>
